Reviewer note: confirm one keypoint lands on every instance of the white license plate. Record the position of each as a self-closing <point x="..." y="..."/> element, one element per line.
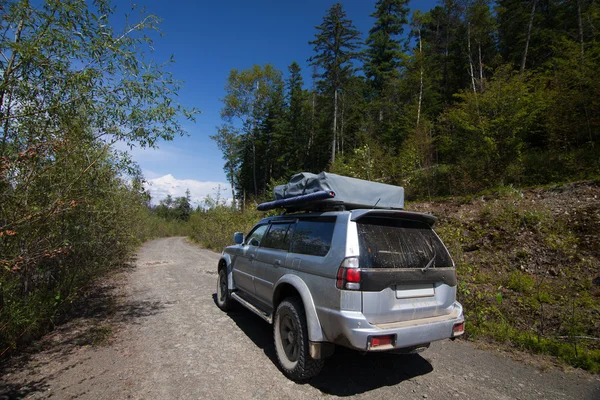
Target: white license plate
<point x="412" y="291"/>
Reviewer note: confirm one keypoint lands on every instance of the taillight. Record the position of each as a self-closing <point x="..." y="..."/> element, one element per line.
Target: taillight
<point x="348" y="275"/>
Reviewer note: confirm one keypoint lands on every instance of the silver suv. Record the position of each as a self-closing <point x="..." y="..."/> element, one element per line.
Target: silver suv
<point x="370" y="280"/>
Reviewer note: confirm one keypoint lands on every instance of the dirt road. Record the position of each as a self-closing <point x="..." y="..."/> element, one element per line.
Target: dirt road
<point x="166" y="339"/>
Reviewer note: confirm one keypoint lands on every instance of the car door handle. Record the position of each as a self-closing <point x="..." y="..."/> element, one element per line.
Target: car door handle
<point x="277" y="263"/>
<point x="251" y="257"/>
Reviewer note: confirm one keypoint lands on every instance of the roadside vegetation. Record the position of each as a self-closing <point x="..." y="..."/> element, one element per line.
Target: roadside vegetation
<point x="527" y="261"/>
<point x="72" y="207"/>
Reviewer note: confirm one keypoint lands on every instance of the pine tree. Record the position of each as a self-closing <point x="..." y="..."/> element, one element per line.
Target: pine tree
<point x="336" y="44"/>
<point x="384" y="47"/>
<point x="298" y="144"/>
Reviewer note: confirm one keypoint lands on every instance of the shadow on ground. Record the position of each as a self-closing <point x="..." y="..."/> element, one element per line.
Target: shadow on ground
<point x="90" y="321"/>
<point x="346" y="372"/>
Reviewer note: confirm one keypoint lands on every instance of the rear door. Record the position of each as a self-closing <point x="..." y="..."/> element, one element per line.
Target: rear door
<point x="271" y="258"/>
<point x="407" y="272"/>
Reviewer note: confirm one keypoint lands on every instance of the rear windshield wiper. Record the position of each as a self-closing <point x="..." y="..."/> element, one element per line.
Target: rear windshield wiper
<point x="429" y="264"/>
<point x="432" y="261"/>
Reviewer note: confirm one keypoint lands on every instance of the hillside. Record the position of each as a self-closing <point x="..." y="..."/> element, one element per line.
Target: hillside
<point x="529" y="267"/>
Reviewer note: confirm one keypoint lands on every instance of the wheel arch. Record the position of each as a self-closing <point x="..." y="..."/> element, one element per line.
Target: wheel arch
<point x="225" y="262"/>
<point x="292" y="285"/>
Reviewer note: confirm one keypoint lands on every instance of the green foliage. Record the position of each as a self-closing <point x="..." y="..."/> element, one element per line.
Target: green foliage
<point x="214" y="227"/>
<point x="574" y="354"/>
<point x="252" y="136"/>
<point x="383" y="54"/>
<point x="335" y="46"/>
<point x="71" y="208"/>
<point x="524" y="274"/>
<point x="519" y="282"/>
<point x="482" y="100"/>
<point x="179" y="208"/>
<point x="484" y="135"/>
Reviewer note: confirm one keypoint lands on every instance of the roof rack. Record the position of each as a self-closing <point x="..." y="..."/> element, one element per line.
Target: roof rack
<point x="297" y="201"/>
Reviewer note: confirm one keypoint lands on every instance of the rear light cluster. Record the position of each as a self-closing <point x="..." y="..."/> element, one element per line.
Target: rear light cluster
<point x="348" y="275"/>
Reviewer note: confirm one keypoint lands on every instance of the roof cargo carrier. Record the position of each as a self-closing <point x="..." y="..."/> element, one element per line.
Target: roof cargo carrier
<point x="309" y="192"/>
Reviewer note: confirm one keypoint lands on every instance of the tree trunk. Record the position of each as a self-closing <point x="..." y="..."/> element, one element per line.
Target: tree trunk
<point x="470" y="58"/>
<point x="312" y="122"/>
<point x="580" y="29"/>
<point x="528" y="36"/>
<point x="341" y="149"/>
<point x="5" y="111"/>
<point x="445" y="78"/>
<point x="480" y="68"/>
<point x="335" y="110"/>
<point x="232" y="181"/>
<point x="421" y="83"/>
<point x="254" y="169"/>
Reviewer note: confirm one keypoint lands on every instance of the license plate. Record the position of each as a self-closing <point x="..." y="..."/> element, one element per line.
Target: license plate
<point x="412" y="291"/>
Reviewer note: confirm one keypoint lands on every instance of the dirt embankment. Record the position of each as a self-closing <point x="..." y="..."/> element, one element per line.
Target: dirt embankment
<point x="529" y="267"/>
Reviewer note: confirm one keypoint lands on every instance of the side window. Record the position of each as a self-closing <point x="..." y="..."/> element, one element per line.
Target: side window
<point x="278" y="237"/>
<point x="255" y="237"/>
<point x="313" y="236"/>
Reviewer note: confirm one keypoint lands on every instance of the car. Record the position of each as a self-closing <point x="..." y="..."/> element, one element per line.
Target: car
<point x="370" y="279"/>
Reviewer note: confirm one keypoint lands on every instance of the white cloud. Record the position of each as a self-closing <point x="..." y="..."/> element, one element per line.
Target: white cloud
<point x="160" y="187"/>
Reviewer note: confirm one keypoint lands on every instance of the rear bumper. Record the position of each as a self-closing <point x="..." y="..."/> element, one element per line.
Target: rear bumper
<point x="353" y="330"/>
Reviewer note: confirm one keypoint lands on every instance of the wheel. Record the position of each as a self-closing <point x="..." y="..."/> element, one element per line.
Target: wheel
<point x="224" y="300"/>
<point x="291" y="341"/>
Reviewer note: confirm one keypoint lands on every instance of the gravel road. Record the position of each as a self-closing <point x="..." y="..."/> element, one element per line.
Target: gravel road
<point x="169" y="341"/>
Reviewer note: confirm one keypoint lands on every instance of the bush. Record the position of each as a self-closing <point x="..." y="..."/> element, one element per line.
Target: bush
<point x="214" y="227"/>
<point x="519" y="282"/>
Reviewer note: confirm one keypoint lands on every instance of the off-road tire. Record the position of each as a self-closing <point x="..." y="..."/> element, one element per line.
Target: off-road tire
<point x="224" y="300"/>
<point x="290" y="313"/>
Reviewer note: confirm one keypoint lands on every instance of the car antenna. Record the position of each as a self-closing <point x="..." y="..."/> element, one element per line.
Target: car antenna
<point x="375" y="205"/>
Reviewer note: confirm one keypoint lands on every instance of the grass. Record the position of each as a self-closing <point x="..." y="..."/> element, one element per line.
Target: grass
<point x="571" y="352"/>
<point x="525" y="272"/>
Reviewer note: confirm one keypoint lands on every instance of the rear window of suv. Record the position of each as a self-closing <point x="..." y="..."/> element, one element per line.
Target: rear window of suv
<point x="313" y="236"/>
<point x="399" y="243"/>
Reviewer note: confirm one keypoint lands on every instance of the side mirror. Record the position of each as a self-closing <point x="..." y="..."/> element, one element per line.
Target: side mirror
<point x="238" y="238"/>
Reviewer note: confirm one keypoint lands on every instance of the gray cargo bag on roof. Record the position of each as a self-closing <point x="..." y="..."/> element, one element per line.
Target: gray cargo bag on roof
<point x="351" y="192"/>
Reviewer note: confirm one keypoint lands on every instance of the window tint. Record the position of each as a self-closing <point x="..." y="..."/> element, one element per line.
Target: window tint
<point x="278" y="237"/>
<point x="398" y="243"/>
<point x="255" y="237"/>
<point x="313" y="236"/>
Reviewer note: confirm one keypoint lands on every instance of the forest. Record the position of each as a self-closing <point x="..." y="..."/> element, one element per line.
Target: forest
<point x="471" y="95"/>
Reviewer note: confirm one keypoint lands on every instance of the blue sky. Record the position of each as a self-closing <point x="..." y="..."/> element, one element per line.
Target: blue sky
<point x="208" y="39"/>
